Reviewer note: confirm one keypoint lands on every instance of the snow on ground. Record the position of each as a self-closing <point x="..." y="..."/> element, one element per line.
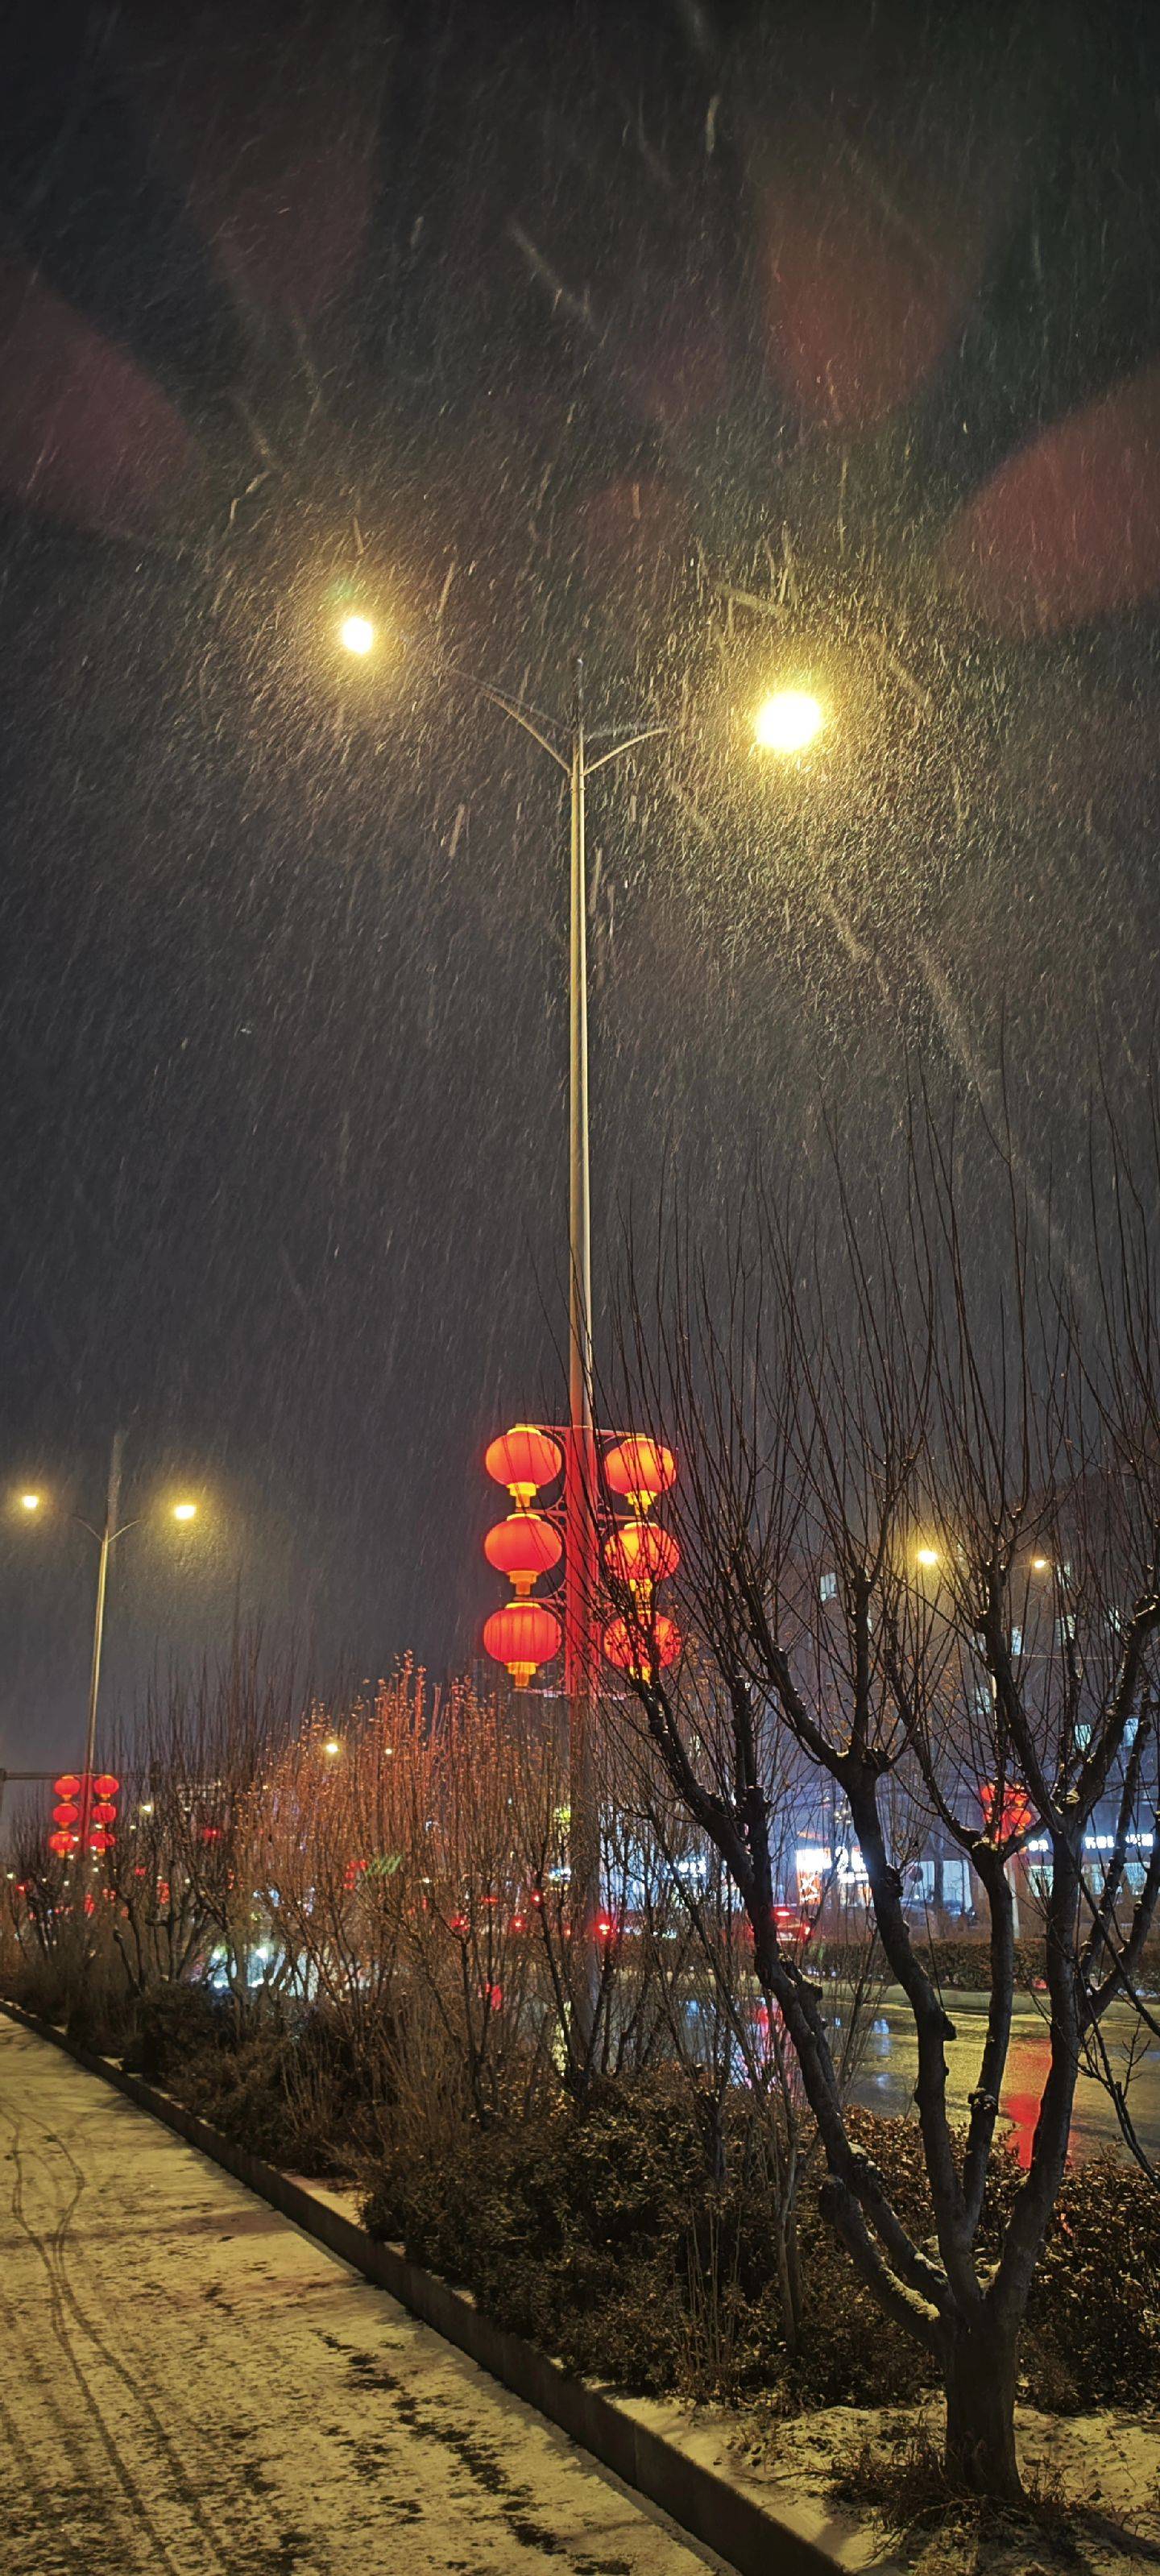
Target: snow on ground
<point x="1106" y="2466"/>
<point x="191" y="2387"/>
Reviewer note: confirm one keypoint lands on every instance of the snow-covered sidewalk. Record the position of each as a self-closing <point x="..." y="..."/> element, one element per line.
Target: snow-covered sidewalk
<point x="193" y="2388"/>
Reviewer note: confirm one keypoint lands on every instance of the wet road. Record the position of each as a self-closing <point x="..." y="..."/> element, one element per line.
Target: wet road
<point x="886" y="2080"/>
<point x="193" y="2388"/>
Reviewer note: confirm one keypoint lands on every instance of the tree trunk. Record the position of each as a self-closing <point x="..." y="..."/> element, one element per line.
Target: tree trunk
<point x="980" y="2393"/>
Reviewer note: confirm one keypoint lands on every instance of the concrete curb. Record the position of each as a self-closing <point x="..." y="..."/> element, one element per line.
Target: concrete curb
<point x="705" y="2505"/>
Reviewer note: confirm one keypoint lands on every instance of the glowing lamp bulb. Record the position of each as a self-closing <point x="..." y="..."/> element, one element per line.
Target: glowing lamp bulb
<point x="332" y="1746"/>
<point x="185" y="1511"/>
<point x="788" y="721"/>
<point x="30" y="1502"/>
<point x="928" y="1556"/>
<point x="356" y="635"/>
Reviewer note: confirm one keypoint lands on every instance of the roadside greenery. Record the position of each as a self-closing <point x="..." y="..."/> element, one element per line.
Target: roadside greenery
<point x="360" y="1966"/>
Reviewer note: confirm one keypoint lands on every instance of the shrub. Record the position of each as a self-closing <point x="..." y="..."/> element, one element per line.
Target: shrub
<point x="281" y="2083"/>
<point x="598" y="2232"/>
<point x="244" y="2092"/>
<point x="174" y="2026"/>
<point x="1093" y="2327"/>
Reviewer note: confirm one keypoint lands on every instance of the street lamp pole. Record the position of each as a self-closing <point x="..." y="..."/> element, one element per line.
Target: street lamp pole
<point x="104" y="1540"/>
<point x="569" y="748"/>
<point x="580" y="1569"/>
<point x="787" y="722"/>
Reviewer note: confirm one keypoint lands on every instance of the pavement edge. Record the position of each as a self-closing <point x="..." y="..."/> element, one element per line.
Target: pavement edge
<point x="706" y="2506"/>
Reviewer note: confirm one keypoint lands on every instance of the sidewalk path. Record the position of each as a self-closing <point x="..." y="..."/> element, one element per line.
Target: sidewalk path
<point x="190" y="2387"/>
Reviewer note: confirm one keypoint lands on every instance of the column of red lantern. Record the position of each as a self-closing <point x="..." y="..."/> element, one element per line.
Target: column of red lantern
<point x="525" y="1633"/>
<point x="85" y="1813"/>
<point x="638" y="1555"/>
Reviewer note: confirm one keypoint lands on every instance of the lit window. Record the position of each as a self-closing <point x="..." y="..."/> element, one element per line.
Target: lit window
<point x="828" y="1587"/>
<point x="1017" y="1641"/>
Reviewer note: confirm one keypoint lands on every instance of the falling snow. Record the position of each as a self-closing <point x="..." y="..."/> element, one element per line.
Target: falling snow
<point x="716" y="344"/>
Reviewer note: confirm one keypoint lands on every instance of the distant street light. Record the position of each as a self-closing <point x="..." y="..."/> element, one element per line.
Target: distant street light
<point x="788" y="721"/>
<point x="105" y="1539"/>
<point x="357" y="635"/>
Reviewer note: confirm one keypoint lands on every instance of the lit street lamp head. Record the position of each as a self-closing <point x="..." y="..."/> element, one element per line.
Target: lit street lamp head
<point x="185" y="1511"/>
<point x="788" y="721"/>
<point x="356" y="634"/>
<point x="30" y="1502"/>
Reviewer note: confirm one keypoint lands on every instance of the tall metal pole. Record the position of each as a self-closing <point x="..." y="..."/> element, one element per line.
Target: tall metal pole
<point x="108" y="1534"/>
<point x="581" y="1567"/>
<point x="580" y="1464"/>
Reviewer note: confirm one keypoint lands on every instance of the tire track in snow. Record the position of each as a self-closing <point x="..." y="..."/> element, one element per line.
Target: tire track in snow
<point x="352" y="2438"/>
<point x="63" y="2303"/>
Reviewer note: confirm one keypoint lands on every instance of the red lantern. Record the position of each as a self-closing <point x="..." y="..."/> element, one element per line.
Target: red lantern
<point x="104" y="1813"/>
<point x="523" y="1460"/>
<point x="1018" y="1812"/>
<point x="61" y="1844"/>
<point x="640" y="1469"/>
<point x="644" y="1648"/>
<point x="68" y="1785"/>
<point x="99" y="1840"/>
<point x="639" y="1553"/>
<point x="523" y="1635"/>
<point x="105" y="1786"/>
<point x="523" y="1547"/>
<point x="66" y="1813"/>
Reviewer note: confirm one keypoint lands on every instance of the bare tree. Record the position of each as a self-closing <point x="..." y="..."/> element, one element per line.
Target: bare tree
<point x="182" y="1869"/>
<point x="918" y="1510"/>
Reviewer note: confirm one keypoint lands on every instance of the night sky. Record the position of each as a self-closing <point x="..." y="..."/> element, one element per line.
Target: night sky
<point x="720" y="344"/>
